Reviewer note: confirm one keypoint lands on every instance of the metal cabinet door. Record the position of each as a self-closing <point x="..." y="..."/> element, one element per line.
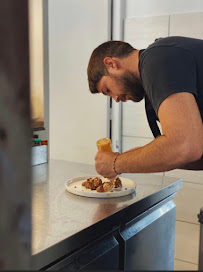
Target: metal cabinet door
<point x="149" y="243"/>
<point x="103" y="254"/>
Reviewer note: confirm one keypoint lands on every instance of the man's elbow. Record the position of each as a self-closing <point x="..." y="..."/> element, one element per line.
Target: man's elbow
<point x="191" y="152"/>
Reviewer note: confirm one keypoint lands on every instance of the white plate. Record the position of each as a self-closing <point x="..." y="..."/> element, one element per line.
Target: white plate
<point x="35" y="119"/>
<point x="74" y="186"/>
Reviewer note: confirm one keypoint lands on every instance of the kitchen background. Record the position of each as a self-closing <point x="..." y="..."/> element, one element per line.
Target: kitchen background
<point x="74" y="119"/>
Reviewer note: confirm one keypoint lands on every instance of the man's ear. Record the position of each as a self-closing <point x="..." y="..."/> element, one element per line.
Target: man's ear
<point x="110" y="63"/>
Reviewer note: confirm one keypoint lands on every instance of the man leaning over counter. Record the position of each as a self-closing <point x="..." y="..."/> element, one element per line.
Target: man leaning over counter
<point x="169" y="76"/>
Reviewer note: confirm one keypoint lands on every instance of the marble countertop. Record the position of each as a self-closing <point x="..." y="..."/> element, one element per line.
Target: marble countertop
<point x="58" y="214"/>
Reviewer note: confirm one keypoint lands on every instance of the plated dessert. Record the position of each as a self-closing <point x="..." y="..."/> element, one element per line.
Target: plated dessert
<point x="102" y="187"/>
<point x="99" y="187"/>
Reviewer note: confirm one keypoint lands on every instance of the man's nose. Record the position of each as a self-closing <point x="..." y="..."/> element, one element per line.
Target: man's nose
<point x="116" y="98"/>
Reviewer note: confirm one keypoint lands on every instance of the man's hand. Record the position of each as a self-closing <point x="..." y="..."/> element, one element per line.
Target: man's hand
<point x="104" y="163"/>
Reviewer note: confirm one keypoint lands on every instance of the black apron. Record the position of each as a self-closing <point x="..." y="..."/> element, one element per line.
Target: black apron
<point x="151" y="118"/>
<point x="150" y="112"/>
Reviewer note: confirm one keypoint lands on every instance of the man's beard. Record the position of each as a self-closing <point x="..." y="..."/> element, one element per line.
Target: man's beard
<point x="130" y="86"/>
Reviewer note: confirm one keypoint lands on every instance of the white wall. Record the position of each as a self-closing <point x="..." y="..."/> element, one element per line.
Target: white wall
<point x="77" y="117"/>
<point x="144" y="8"/>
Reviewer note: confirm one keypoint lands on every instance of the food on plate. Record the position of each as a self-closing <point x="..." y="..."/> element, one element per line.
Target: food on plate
<point x="92" y="183"/>
<point x="101" y="187"/>
<point x="117" y="183"/>
<point x="105" y="187"/>
<point x="108" y="186"/>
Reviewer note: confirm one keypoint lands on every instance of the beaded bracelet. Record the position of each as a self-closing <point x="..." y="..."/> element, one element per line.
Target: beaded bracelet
<point x="114" y="161"/>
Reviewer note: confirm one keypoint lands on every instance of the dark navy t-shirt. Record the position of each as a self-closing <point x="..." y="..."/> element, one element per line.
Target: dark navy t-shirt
<point x="172" y="65"/>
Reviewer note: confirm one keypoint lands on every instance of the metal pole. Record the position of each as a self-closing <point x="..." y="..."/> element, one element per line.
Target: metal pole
<point x="118" y="15"/>
<point x="200" y="216"/>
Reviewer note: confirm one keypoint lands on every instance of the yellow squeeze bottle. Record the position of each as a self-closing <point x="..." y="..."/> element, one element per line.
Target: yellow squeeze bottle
<point x="104" y="144"/>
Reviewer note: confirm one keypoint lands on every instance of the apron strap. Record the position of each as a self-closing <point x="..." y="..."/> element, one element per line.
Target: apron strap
<point x="151" y="118"/>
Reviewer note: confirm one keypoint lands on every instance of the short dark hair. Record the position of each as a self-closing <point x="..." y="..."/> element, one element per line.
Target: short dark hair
<point x="96" y="68"/>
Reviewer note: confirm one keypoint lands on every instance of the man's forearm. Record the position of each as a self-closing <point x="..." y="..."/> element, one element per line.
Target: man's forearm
<point x="158" y="156"/>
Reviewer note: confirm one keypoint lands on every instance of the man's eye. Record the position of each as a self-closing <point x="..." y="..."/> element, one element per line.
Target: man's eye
<point x="107" y="92"/>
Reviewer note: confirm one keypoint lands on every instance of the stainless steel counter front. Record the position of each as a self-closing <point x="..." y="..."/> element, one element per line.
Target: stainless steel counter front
<point x="58" y="214"/>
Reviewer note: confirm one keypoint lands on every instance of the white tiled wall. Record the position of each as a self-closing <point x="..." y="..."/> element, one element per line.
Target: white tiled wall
<point x="180" y="265"/>
<point x="140" y="32"/>
<point x="134" y="121"/>
<point x="186" y="175"/>
<point x="130" y="142"/>
<point x="188" y="25"/>
<point x="187" y="249"/>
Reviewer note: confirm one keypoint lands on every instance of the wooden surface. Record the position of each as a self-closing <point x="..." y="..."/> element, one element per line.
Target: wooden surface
<point x="15" y="138"/>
